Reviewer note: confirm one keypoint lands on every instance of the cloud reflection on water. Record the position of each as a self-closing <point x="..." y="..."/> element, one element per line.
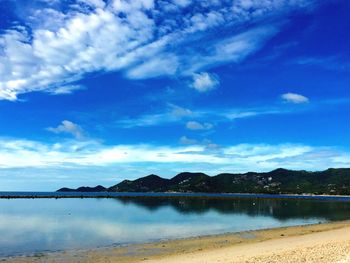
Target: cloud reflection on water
<point x="48" y="224"/>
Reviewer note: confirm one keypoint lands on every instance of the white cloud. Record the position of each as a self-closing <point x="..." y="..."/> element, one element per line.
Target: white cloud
<point x="231" y="49"/>
<point x="139" y="38"/>
<point x="165" y="65"/>
<point x="68" y="127"/>
<point x="93" y="3"/>
<point x="194" y="125"/>
<point x="208" y="145"/>
<point x="16" y="154"/>
<point x="241" y="114"/>
<point x="187" y="141"/>
<point x="65" y="89"/>
<point x="182" y="3"/>
<point x="329" y="63"/>
<point x="178" y="111"/>
<point x="176" y="114"/>
<point x="204" y="81"/>
<point x="252" y="112"/>
<point x="173" y="113"/>
<point x="294" y="98"/>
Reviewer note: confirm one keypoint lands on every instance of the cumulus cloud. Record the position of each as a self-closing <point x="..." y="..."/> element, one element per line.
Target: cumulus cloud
<point x="294" y="98"/>
<point x="204" y="81"/>
<point x="140" y="38"/>
<point x="68" y="127"/>
<point x="194" y="125"/>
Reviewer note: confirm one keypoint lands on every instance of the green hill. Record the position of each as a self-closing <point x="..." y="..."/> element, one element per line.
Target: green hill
<point x="279" y="181"/>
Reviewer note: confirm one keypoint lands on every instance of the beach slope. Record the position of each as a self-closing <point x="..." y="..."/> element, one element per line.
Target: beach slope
<point x="318" y="247"/>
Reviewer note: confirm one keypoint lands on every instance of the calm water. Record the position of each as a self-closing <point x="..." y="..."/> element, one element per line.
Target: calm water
<point x="38" y="225"/>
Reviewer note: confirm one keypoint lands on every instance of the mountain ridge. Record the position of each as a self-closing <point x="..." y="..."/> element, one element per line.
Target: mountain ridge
<point x="332" y="181"/>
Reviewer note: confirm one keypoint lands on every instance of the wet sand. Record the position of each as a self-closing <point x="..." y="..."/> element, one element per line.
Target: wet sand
<point x="321" y="243"/>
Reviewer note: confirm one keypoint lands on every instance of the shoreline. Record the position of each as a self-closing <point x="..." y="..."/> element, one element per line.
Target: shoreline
<point x="59" y="195"/>
<point x="247" y="246"/>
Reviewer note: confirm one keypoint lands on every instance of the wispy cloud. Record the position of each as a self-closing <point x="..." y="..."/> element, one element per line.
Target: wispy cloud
<point x="206" y="143"/>
<point x="235" y="114"/>
<point x="187" y="141"/>
<point x="329" y="63"/>
<point x="203" y="119"/>
<point x="68" y="89"/>
<point x="141" y="38"/>
<point x="173" y="113"/>
<point x="195" y="125"/>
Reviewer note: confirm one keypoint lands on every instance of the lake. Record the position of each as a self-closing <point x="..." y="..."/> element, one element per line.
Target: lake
<point x="30" y="226"/>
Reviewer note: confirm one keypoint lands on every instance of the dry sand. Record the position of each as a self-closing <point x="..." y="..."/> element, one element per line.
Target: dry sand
<point x="315" y="243"/>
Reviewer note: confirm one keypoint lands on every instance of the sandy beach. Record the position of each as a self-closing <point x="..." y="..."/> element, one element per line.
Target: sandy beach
<point x="325" y="246"/>
<point x="318" y="243"/>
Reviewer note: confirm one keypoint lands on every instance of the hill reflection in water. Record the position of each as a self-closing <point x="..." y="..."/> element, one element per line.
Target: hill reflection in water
<point x="42" y="224"/>
<point x="281" y="209"/>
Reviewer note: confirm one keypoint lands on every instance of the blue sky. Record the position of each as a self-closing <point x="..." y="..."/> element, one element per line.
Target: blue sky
<point x="92" y="92"/>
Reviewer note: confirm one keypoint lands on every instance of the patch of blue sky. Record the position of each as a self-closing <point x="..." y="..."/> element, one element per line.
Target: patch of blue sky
<point x="183" y="82"/>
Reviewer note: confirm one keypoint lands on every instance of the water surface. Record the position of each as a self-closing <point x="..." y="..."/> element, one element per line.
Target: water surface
<point x="37" y="225"/>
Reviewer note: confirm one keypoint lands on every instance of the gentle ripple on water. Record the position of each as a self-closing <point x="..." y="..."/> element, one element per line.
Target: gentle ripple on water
<point x="37" y="225"/>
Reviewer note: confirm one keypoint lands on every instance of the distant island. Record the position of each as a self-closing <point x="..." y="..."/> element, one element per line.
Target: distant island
<point x="280" y="181"/>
